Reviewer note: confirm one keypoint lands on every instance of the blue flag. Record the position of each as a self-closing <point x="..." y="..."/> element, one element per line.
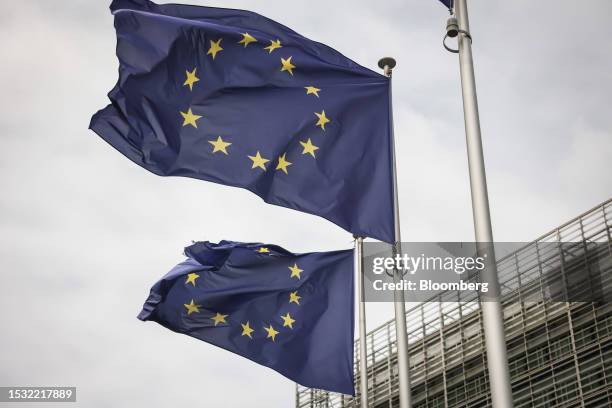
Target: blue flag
<point x="232" y="97"/>
<point x="447" y="3"/>
<point x="290" y="312"/>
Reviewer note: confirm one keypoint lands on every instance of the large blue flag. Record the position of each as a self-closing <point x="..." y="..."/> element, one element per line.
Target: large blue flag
<point x="290" y="312"/>
<point x="234" y="98"/>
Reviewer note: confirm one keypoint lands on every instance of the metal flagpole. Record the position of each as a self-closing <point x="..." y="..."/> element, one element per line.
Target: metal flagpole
<point x="363" y="354"/>
<point x="492" y="313"/>
<point x="401" y="333"/>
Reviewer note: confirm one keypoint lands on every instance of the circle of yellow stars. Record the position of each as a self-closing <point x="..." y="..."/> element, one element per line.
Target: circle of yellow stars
<point x="221" y="319"/>
<point x="258" y="161"/>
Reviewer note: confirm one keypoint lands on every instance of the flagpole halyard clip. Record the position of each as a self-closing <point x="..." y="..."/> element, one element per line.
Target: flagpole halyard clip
<point x="452" y="31"/>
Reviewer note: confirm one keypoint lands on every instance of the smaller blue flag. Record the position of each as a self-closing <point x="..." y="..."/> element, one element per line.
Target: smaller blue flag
<point x="447" y="3"/>
<point x="290" y="312"/>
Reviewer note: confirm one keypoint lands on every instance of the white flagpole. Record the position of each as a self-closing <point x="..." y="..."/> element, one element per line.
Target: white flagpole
<point x="401" y="334"/>
<point x="492" y="313"/>
<point x="363" y="352"/>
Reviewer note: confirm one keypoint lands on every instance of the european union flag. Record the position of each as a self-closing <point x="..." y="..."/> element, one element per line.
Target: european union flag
<point x="290" y="312"/>
<point x="232" y="97"/>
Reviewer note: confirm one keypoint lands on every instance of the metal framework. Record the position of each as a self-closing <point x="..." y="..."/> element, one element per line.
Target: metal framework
<point x="560" y="353"/>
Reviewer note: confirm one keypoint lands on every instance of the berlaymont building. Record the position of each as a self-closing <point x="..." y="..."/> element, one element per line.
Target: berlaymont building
<point x="560" y="353"/>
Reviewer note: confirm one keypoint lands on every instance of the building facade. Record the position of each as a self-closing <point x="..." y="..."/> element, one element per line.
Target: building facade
<point x="560" y="353"/>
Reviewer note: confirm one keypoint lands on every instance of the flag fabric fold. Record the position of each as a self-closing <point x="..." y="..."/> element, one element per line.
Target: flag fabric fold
<point x="447" y="3"/>
<point x="232" y="97"/>
<point x="290" y="312"/>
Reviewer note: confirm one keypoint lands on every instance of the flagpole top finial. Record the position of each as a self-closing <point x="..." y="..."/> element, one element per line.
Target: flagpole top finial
<point x="387" y="62"/>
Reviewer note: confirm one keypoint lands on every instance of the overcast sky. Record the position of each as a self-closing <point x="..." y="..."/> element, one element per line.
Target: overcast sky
<point x="85" y="232"/>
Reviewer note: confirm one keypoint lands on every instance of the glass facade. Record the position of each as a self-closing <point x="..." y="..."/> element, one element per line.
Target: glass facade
<point x="560" y="353"/>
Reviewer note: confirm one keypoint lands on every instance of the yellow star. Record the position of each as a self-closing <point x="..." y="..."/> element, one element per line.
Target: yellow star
<point x="287" y="65"/>
<point x="192" y="308"/>
<point x="263" y="250"/>
<point x="191" y="79"/>
<point x="283" y="163"/>
<point x="312" y="90"/>
<point x="219" y="318"/>
<point x="322" y="119"/>
<point x="294" y="298"/>
<point x="288" y="321"/>
<point x="273" y="45"/>
<point x="309" y="148"/>
<point x="247" y="330"/>
<point x="191" y="278"/>
<point x="258" y="161"/>
<point x="247" y="39"/>
<point x="215" y="47"/>
<point x="271" y="333"/>
<point x="189" y="118"/>
<point x="295" y="271"/>
<point x="219" y="145"/>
